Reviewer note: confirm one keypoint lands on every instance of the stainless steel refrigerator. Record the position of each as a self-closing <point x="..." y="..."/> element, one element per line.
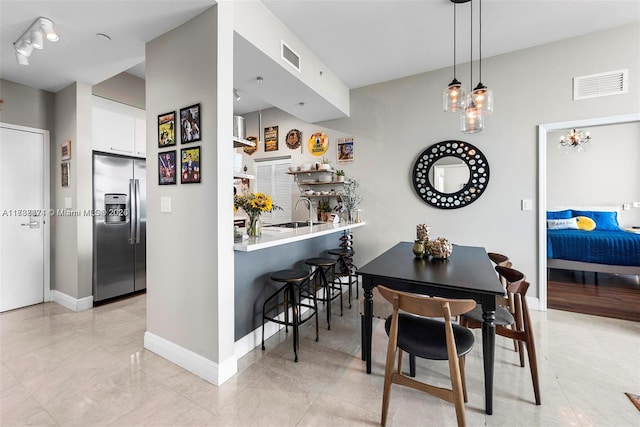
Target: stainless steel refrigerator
<point x="119" y="226"/>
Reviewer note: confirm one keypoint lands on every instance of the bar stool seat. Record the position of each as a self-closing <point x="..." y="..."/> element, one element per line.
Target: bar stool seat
<point x="345" y="269"/>
<point x="319" y="280"/>
<point x="296" y="286"/>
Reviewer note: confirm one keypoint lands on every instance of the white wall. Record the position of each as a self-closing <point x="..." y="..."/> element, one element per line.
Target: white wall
<point x="606" y="174"/>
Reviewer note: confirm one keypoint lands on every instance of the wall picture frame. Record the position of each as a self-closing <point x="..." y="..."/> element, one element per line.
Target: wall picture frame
<point x="190" y="126"/>
<point x="64" y="174"/>
<point x="191" y="167"/>
<point x="271" y="138"/>
<point x="345" y="150"/>
<point x="167" y="168"/>
<point x="167" y="129"/>
<point x="65" y="150"/>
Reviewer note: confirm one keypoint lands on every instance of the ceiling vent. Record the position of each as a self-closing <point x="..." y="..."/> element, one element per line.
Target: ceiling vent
<point x="289" y="56"/>
<point x="603" y="84"/>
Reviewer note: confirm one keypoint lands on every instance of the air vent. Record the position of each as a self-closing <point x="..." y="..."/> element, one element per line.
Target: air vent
<point x="290" y="57"/>
<point x="603" y="84"/>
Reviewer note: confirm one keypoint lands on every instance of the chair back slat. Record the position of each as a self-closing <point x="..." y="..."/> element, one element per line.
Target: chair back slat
<point x="426" y="306"/>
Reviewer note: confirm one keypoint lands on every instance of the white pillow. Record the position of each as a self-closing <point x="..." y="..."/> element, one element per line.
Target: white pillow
<point x="562" y="224"/>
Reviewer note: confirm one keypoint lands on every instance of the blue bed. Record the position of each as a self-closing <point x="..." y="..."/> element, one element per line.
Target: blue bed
<point x="603" y="246"/>
<point x="600" y="247"/>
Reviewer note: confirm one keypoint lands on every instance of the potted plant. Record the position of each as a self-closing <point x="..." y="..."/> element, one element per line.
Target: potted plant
<point x="324" y="209"/>
<point x="340" y="175"/>
<point x="325" y="165"/>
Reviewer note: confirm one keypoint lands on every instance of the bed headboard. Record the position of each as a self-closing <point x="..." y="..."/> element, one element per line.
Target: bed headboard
<point x="598" y="208"/>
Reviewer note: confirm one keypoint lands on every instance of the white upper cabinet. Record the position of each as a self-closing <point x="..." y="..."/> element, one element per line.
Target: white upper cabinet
<point x="118" y="128"/>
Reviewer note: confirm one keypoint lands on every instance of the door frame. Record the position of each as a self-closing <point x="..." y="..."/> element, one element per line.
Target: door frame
<point x="46" y="221"/>
<point x="542" y="186"/>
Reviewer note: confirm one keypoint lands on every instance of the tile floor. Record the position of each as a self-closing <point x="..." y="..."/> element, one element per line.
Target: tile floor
<point x="90" y="368"/>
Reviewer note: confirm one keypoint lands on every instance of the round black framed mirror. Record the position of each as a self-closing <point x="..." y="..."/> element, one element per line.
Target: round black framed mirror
<point x="450" y="174"/>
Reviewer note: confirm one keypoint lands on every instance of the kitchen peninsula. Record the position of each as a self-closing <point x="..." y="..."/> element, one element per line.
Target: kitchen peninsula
<point x="256" y="258"/>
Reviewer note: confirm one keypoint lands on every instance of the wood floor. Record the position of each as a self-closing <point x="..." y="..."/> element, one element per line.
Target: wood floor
<point x="615" y="296"/>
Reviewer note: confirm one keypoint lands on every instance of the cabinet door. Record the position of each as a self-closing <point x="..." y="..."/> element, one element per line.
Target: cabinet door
<point x="140" y="144"/>
<point x="113" y="132"/>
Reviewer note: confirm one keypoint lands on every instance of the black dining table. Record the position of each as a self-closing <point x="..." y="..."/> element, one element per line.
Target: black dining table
<point x="467" y="274"/>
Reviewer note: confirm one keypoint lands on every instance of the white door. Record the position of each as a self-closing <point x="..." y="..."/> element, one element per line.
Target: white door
<point x="23" y="204"/>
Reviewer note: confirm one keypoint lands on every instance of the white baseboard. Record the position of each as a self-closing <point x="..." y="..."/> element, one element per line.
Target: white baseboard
<point x="192" y="362"/>
<point x="71" y="303"/>
<point x="534" y="303"/>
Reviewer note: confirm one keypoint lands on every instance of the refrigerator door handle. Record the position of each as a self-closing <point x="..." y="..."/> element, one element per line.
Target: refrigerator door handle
<point x="132" y="212"/>
<point x="137" y="188"/>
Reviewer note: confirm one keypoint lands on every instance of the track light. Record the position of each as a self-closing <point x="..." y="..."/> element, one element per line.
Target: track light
<point x="22" y="59"/>
<point x="24" y="48"/>
<point x="33" y="37"/>
<point x="236" y="94"/>
<point x="37" y="39"/>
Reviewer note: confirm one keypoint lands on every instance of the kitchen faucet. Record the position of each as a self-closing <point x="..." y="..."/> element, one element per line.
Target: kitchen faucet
<point x="310" y="208"/>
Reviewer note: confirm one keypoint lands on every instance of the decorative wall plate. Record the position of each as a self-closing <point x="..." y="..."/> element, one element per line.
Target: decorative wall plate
<point x="294" y="139"/>
<point x="430" y="180"/>
<point x="318" y="144"/>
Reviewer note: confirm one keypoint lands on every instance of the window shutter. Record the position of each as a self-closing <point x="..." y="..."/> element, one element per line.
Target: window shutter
<point x="272" y="179"/>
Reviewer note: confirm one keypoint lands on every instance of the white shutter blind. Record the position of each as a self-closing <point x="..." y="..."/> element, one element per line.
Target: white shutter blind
<point x="272" y="179"/>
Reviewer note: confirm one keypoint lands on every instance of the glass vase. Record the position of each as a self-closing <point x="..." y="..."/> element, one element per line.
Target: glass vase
<point x="254" y="229"/>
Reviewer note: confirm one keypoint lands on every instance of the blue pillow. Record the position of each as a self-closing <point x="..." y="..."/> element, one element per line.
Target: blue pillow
<point x="565" y="214"/>
<point x="605" y="221"/>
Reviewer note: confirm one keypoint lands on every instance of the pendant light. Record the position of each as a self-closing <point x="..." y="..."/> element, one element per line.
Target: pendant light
<point x="454" y="96"/>
<point x="481" y="95"/>
<point x="472" y="120"/>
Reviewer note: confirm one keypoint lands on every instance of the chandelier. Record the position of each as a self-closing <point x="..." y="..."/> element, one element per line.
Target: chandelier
<point x="477" y="104"/>
<point x="575" y="140"/>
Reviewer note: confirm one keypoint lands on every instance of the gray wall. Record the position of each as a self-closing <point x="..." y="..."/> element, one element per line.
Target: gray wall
<point x="606" y="174"/>
<point x="190" y="250"/>
<point x="124" y="88"/>
<point x="26" y="106"/>
<point x="394" y="121"/>
<point x="71" y="236"/>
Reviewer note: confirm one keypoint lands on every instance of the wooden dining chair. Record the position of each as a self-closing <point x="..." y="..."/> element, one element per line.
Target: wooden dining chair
<point x="517" y="288"/>
<point x="504" y="261"/>
<point x="416" y="332"/>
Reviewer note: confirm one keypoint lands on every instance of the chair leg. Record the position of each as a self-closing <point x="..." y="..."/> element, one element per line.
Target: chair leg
<point x="294" y="307"/>
<point x="412" y="365"/>
<point x="461" y="362"/>
<point x="456" y="385"/>
<point x="533" y="365"/>
<point x="388" y="375"/>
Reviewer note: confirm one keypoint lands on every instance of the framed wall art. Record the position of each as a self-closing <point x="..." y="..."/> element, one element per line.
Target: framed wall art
<point x="271" y="138"/>
<point x="167" y="129"/>
<point x="64" y="174"/>
<point x="345" y="150"/>
<point x="190" y="165"/>
<point x="190" y="130"/>
<point x="65" y="150"/>
<point x="250" y="150"/>
<point x="167" y="168"/>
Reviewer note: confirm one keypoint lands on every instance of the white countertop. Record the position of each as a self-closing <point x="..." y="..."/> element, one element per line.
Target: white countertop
<point x="275" y="236"/>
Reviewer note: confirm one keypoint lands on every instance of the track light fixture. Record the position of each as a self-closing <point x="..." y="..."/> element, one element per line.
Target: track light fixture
<point x="33" y="37"/>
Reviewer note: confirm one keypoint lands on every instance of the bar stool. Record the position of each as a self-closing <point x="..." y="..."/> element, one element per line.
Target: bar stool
<point x="345" y="269"/>
<point x="293" y="279"/>
<point x="319" y="280"/>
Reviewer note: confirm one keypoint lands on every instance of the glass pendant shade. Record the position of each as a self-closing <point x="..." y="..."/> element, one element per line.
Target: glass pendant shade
<point x="472" y="120"/>
<point x="454" y="97"/>
<point x="483" y="98"/>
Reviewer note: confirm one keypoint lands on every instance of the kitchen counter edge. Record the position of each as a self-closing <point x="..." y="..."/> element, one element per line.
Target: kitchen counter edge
<point x="276" y="238"/>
